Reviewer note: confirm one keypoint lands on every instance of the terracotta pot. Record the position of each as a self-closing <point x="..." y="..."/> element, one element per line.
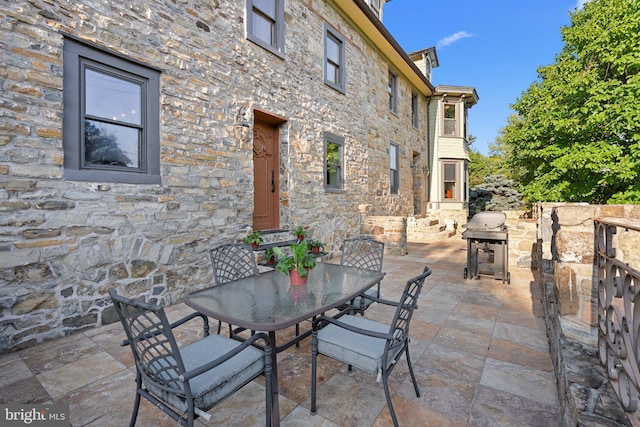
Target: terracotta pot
<point x="298" y="293"/>
<point x="271" y="260"/>
<point x="255" y="245"/>
<point x="315" y="249"/>
<point x="295" y="278"/>
<point x="300" y="238"/>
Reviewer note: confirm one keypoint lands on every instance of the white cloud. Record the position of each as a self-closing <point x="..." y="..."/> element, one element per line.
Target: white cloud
<point x="454" y="38"/>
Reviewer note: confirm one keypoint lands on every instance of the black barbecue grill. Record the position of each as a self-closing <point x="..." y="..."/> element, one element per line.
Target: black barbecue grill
<point x="487" y="246"/>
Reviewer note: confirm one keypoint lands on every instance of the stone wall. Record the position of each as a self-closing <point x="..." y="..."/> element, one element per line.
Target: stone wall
<point x="563" y="262"/>
<point x="391" y="230"/>
<point x="64" y="243"/>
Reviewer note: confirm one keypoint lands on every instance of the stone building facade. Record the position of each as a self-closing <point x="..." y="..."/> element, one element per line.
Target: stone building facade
<point x="70" y="232"/>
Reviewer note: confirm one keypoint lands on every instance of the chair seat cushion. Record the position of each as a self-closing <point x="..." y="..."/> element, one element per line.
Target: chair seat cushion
<point x="220" y="382"/>
<point x="356" y="349"/>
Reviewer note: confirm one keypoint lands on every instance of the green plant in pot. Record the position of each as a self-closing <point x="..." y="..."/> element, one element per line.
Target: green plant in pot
<point x="254" y="239"/>
<point x="298" y="264"/>
<point x="270" y="255"/>
<point x="300" y="233"/>
<point x="316" y="246"/>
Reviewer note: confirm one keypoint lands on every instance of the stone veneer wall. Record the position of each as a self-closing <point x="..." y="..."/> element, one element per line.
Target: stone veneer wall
<point x="564" y="266"/>
<point x="64" y="243"/>
<point x="392" y="230"/>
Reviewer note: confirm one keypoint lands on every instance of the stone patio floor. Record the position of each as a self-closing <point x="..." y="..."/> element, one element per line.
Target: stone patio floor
<point x="479" y="351"/>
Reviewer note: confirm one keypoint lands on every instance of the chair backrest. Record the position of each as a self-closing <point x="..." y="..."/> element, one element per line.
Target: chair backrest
<point x="150" y="337"/>
<point x="404" y="311"/>
<point x="232" y="261"/>
<point x="363" y="252"/>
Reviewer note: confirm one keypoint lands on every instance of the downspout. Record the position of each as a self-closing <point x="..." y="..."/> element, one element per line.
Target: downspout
<point x="428" y="166"/>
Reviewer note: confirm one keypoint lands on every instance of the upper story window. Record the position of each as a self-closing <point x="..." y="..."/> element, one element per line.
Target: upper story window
<point x="414" y="110"/>
<point x="375" y="6"/>
<point x="265" y="24"/>
<point x="450" y="122"/>
<point x="393" y="92"/>
<point x="111" y="117"/>
<point x="394" y="169"/>
<point x="333" y="161"/>
<point x="334" y="59"/>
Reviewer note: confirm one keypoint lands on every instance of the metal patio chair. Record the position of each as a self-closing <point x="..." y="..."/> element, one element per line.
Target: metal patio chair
<point x="232" y="261"/>
<point x="366" y="253"/>
<point x="186" y="382"/>
<point x="369" y="345"/>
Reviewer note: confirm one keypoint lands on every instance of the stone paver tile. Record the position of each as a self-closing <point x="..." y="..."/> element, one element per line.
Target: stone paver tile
<point x="301" y="416"/>
<point x="410" y="413"/>
<point x="520" y="354"/>
<point x="348" y="401"/>
<point x="521" y="318"/>
<point x="81" y="372"/>
<point x="56" y="353"/>
<point x="467" y="341"/>
<point x="98" y="398"/>
<point x="470" y="323"/>
<point x="496" y="408"/>
<point x="27" y="390"/>
<point x="476" y="311"/>
<point x="527" y="336"/>
<point x="531" y="384"/>
<point x="13" y="369"/>
<point x="431" y="312"/>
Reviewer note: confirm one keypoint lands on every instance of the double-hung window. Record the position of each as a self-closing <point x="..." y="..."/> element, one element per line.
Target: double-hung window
<point x="394" y="172"/>
<point x="393" y="92"/>
<point x="334" y="59"/>
<point x="414" y="110"/>
<point x="450" y="180"/>
<point x="375" y="6"/>
<point x="450" y="122"/>
<point x="333" y="161"/>
<point x="265" y="24"/>
<point x="111" y="117"/>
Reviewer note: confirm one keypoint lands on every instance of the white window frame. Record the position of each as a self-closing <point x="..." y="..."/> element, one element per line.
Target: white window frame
<point x="455" y="184"/>
<point x="394" y="168"/>
<point x="448" y="122"/>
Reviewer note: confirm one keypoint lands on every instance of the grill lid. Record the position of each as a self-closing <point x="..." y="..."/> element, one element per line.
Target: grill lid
<point x="487" y="221"/>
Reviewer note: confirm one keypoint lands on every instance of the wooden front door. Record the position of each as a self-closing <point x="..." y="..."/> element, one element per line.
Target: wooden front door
<point x="266" y="200"/>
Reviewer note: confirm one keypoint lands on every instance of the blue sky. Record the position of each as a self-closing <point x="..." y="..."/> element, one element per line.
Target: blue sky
<point x="495" y="46"/>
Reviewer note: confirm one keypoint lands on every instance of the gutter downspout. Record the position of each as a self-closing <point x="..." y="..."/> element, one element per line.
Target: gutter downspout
<point x="428" y="167"/>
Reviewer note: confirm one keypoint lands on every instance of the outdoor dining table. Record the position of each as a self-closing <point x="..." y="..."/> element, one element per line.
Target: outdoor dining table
<point x="267" y="302"/>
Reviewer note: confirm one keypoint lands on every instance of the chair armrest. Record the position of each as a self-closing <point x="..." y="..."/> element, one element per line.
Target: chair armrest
<point x="193" y="315"/>
<point x="177" y="323"/>
<point x="322" y="321"/>
<point x="243" y="345"/>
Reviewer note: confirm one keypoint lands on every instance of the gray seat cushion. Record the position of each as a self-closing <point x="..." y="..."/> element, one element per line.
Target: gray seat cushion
<point x="367" y="302"/>
<point x="218" y="383"/>
<point x="355" y="349"/>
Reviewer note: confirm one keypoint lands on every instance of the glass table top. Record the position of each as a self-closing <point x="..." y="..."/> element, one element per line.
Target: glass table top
<point x="268" y="301"/>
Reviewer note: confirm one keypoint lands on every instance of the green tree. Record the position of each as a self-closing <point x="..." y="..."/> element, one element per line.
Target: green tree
<point x="576" y="136"/>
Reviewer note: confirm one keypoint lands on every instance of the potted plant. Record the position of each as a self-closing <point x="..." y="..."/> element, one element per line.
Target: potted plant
<point x="316" y="246"/>
<point x="296" y="265"/>
<point x="270" y="256"/>
<point x="254" y="239"/>
<point x="300" y="232"/>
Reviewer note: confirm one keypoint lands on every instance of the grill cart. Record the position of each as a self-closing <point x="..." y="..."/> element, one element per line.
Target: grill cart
<point x="487" y="246"/>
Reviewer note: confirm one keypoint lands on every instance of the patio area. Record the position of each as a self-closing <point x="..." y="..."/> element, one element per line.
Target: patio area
<point x="479" y="350"/>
